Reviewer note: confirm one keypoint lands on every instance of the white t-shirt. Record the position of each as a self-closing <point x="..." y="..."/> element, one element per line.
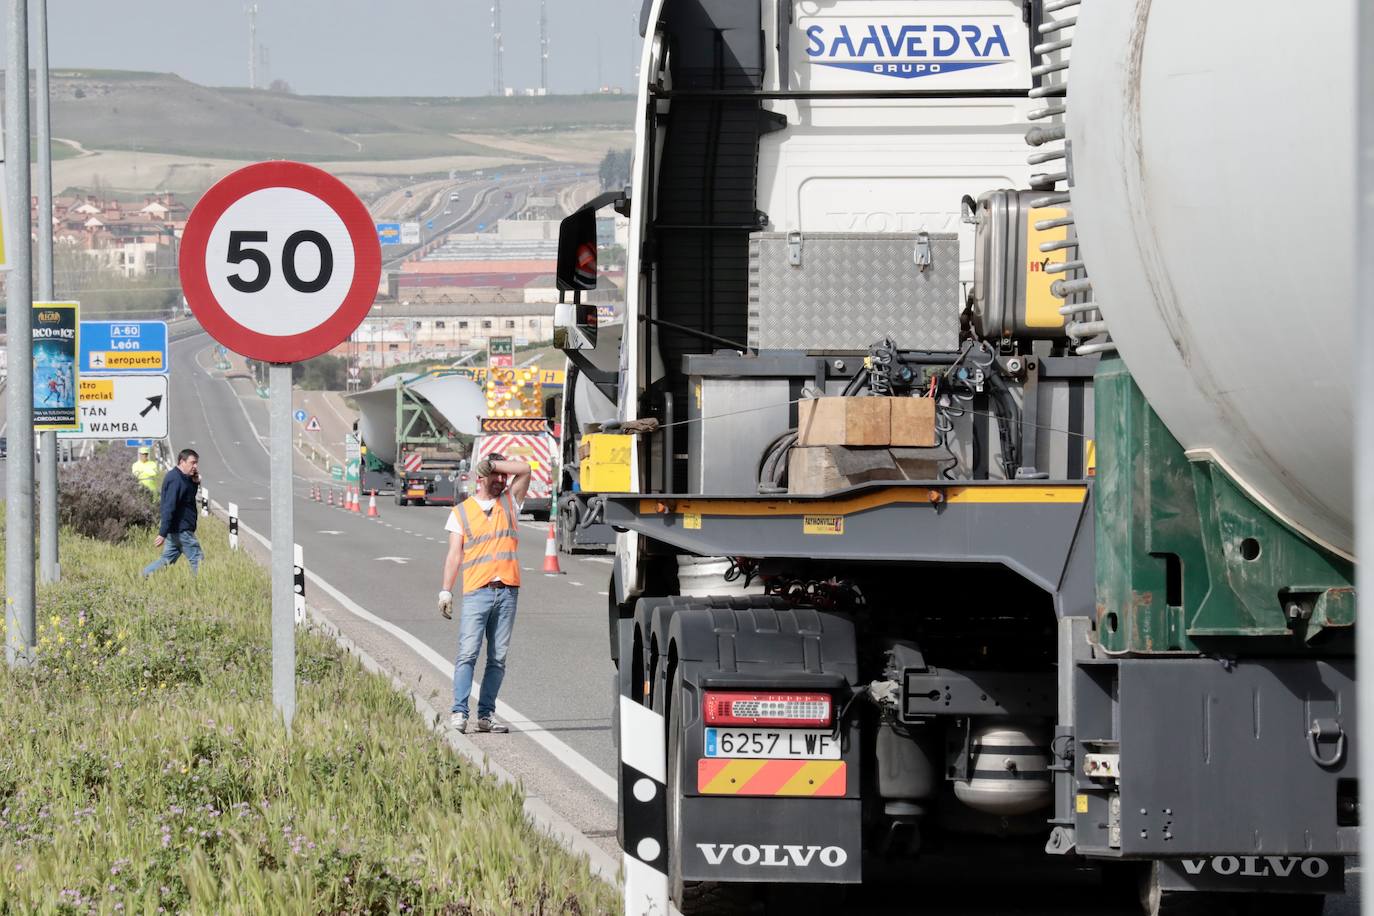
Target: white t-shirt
<point x="455" y="526"/>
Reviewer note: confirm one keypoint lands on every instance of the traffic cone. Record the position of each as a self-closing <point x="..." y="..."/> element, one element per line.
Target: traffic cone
<point x="329" y="497"/>
<point x="551" y="567"/>
<point x="355" y="506"/>
<point x="372" y="506"/>
<point x="315" y="492"/>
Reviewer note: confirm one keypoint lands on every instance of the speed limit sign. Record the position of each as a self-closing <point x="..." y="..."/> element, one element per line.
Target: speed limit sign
<point x="280" y="262"/>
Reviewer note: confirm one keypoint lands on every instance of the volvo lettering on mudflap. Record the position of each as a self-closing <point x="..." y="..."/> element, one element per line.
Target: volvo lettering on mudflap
<point x="1292" y="874"/>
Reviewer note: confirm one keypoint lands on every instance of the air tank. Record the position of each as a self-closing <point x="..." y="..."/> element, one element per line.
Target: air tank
<point x="1212" y="182"/>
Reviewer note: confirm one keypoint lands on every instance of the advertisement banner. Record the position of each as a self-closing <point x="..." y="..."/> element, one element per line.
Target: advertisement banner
<point x="56" y="343"/>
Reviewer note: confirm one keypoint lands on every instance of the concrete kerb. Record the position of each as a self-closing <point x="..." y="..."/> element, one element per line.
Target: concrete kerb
<point x="539" y="813"/>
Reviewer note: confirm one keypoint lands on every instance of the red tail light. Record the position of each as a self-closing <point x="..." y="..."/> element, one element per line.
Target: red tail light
<point x="790" y="710"/>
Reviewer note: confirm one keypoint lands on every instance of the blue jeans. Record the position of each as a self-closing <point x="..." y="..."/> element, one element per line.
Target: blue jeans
<point x="489" y="611"/>
<point x="177" y="543"/>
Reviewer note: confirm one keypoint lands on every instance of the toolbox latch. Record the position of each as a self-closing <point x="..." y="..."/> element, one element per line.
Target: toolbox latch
<point x="923" y="254"/>
<point x="794" y="248"/>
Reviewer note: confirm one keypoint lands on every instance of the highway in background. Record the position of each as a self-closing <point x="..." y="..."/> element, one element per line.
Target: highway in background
<point x="481" y="202"/>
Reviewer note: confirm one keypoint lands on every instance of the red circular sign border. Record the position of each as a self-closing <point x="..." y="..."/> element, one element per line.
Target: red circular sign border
<point x="367" y="262"/>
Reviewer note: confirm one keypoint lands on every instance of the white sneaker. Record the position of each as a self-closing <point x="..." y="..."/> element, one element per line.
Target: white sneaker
<point x="488" y="724"/>
<point x="458" y="722"/>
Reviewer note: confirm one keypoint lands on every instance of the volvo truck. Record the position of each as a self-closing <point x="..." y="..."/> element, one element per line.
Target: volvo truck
<point x="990" y="354"/>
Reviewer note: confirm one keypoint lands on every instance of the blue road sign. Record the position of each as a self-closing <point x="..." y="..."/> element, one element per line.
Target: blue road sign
<point x="481" y="226"/>
<point x="429" y="224"/>
<point x="124" y="347"/>
<point x="389" y="233"/>
<point x="139" y="443"/>
<point x="300" y="416"/>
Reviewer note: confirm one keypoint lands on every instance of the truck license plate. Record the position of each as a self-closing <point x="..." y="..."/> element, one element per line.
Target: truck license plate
<point x="784" y="743"/>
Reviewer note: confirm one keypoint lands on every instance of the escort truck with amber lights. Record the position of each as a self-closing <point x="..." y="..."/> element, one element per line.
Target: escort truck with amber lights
<point x="976" y="501"/>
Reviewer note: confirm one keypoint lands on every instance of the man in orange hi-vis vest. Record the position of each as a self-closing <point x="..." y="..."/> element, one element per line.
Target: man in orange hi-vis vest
<point x="484" y="546"/>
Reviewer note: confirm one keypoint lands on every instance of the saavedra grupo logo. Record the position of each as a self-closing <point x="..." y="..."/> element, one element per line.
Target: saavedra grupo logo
<point x="907" y="51"/>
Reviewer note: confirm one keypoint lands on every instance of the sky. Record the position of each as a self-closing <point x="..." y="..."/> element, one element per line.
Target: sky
<point x="351" y="47"/>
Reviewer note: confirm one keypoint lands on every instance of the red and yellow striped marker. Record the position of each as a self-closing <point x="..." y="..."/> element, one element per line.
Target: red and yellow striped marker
<point x="807" y="778"/>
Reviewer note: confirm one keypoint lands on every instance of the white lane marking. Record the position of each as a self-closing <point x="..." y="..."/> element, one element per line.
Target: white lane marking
<point x="604" y="594"/>
<point x="330" y="532"/>
<point x="607" y="560"/>
<point x="399" y="561"/>
<point x="596" y="777"/>
<point x="575" y="583"/>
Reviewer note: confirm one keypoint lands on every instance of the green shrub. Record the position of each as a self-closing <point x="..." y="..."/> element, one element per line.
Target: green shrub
<point x="100" y="499"/>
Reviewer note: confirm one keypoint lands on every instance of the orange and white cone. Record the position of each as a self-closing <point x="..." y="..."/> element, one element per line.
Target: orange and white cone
<point x="353" y="501"/>
<point x="329" y="497"/>
<point x="372" y="506"/>
<point x="551" y="567"/>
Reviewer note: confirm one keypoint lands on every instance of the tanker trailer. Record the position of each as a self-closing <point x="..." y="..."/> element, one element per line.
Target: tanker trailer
<point x="1028" y="487"/>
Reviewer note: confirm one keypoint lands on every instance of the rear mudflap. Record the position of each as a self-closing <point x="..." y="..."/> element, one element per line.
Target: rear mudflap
<point x="772" y="840"/>
<point x="1255" y="873"/>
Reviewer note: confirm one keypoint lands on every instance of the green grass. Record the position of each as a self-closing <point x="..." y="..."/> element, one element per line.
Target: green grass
<point x="142" y="768"/>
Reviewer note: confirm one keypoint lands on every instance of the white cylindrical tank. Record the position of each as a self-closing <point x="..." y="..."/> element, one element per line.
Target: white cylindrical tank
<point x="1212" y="151"/>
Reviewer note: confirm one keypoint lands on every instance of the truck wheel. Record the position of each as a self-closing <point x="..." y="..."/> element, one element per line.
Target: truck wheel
<point x="401" y="500"/>
<point x="692" y="898"/>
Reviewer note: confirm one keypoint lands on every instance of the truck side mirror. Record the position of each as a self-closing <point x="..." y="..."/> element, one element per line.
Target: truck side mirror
<point x="577" y="252"/>
<point x="574" y="326"/>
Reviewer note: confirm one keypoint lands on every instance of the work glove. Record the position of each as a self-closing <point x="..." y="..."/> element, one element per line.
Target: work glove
<point x="484" y="468"/>
<point x="446" y="604"/>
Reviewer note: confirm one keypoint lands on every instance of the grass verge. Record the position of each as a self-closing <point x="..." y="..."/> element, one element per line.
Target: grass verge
<point x="142" y="767"/>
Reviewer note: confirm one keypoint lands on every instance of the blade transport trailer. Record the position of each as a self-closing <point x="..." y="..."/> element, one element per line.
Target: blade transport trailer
<point x="962" y="509"/>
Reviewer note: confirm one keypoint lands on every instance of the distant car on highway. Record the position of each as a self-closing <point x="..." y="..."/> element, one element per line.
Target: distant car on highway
<point x="409" y="194"/>
<point x="454" y="195"/>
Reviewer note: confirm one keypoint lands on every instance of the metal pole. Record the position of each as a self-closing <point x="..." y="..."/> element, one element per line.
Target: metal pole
<point x="283" y="534"/>
<point x="49" y="568"/>
<point x="1364" y="398"/>
<point x="19" y="592"/>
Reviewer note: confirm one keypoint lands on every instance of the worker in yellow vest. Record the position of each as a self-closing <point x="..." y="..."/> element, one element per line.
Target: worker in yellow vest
<point x="146" y="469"/>
<point x="484" y="545"/>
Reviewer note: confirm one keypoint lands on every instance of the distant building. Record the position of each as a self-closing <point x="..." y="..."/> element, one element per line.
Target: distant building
<point x="127" y="237"/>
<point x="397" y="333"/>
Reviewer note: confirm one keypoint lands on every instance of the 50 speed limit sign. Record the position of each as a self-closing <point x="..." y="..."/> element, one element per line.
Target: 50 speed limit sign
<point x="280" y="262"/>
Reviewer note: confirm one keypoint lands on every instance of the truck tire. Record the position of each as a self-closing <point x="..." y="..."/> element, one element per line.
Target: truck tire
<point x="693" y="898"/>
<point x="401" y="500"/>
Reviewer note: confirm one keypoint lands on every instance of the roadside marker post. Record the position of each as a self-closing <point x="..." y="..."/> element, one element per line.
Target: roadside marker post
<point x="280" y="263"/>
<point x="233" y="526"/>
<point x="298" y="585"/>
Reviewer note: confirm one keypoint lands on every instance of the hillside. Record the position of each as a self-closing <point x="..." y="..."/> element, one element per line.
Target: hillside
<point x="163" y="113"/>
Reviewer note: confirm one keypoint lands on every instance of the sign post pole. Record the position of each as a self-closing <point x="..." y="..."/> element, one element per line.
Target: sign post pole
<point x="47" y="468"/>
<point x="283" y="533"/>
<point x="20" y="638"/>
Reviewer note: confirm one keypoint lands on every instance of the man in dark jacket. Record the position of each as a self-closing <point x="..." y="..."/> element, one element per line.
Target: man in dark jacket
<point x="177" y="534"/>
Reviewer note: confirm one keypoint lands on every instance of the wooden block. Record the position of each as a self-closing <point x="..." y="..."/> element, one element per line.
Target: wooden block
<point x="814" y="470"/>
<point x="867" y="421"/>
<point x="912" y="423"/>
<point x="811" y="471"/>
<point x="843" y="421"/>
